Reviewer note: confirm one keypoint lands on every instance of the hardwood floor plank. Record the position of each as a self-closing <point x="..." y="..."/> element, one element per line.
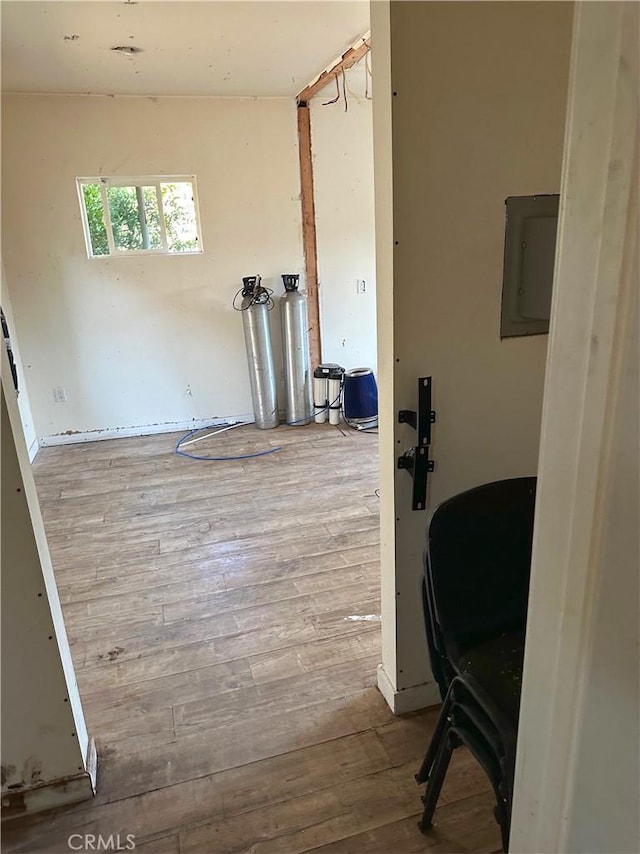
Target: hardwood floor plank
<point x="318" y="582"/>
<point x="150" y="640"/>
<point x="111" y="633"/>
<point x="301" y="822"/>
<point x="309" y="822"/>
<point x="115" y="554"/>
<point x="329" y="622"/>
<point x="162" y="845"/>
<point x="183" y="659"/>
<point x="281" y="696"/>
<point x="206" y="752"/>
<point x="406" y="739"/>
<point x="221" y="601"/>
<point x="203" y="561"/>
<point x="317" y="654"/>
<point x="312" y="546"/>
<point x="142" y="722"/>
<point x="449" y="835"/>
<point x="346" y="599"/>
<point x="87" y="626"/>
<point x="250" y="574"/>
<point x="145" y="597"/>
<point x="361" y="554"/>
<point x="184" y="684"/>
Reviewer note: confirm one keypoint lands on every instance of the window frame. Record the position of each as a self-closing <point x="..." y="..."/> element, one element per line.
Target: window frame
<point x="106" y="181"/>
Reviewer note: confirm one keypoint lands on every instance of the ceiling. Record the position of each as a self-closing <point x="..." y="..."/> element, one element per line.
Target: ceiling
<point x="234" y="48"/>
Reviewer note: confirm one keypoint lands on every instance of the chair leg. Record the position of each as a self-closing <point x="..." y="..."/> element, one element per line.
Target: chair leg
<point x="438" y="735"/>
<point x="436" y="779"/>
<point x="502" y="817"/>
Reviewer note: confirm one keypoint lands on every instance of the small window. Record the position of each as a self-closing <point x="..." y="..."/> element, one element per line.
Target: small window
<point x="137" y="216"/>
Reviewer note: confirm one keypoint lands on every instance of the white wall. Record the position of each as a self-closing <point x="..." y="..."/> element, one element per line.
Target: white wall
<point x="44" y="738"/>
<point x="478" y="93"/>
<point x="129" y="338"/>
<point x="342" y="145"/>
<point x="24" y="404"/>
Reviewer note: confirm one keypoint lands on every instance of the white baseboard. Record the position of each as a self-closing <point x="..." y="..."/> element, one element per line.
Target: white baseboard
<point x="143" y="430"/>
<point x="33" y="449"/>
<point x="401" y="701"/>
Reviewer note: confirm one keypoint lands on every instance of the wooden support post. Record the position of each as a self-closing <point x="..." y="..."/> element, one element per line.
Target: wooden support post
<point x="309" y="232"/>
<point x="309" y="242"/>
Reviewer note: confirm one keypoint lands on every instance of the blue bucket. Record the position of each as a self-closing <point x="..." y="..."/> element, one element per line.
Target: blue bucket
<point x="360" y="396"/>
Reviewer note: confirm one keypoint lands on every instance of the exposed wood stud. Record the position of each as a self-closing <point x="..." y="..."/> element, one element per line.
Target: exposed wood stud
<point x="348" y="59"/>
<point x="309" y="232"/>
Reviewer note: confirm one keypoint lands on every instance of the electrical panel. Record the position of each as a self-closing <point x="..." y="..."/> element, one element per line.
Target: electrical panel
<point x="529" y="255"/>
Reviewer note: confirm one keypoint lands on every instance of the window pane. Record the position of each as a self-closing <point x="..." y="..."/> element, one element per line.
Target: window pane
<point x="125" y="217"/>
<point x="95" y="218"/>
<point x="180" y="216"/>
<point x="143" y="214"/>
<point x="152" y="216"/>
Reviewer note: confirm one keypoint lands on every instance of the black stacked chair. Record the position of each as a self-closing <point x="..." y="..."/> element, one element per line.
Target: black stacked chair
<point x="475" y="594"/>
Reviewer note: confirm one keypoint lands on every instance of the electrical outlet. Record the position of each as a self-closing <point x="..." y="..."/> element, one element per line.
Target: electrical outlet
<point x="60" y="394"/>
<point x="361" y="286"/>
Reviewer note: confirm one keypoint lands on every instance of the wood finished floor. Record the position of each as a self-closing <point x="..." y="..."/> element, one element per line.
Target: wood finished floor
<point x="232" y="701"/>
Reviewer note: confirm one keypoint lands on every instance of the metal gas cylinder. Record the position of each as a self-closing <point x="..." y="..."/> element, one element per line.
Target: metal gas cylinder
<point x="295" y="334"/>
<point x="255" y="304"/>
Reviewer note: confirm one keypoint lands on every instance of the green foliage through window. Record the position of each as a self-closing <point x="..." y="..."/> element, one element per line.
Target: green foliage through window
<point x="95" y="219"/>
<point x="150" y="215"/>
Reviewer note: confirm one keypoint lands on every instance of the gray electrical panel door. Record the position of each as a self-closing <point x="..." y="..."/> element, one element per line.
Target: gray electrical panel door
<point x="529" y="253"/>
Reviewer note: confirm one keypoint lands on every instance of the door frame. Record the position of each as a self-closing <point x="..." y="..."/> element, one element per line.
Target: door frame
<point x="594" y="308"/>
